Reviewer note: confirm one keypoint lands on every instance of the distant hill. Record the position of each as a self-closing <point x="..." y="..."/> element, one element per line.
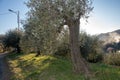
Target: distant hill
<point x="109" y="37"/>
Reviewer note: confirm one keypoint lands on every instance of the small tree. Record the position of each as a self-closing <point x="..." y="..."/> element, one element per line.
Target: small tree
<point x="12" y="39"/>
<point x="39" y="37"/>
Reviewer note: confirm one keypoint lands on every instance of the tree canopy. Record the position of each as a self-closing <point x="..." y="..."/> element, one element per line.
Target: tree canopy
<point x="12" y="39"/>
<point x="52" y="15"/>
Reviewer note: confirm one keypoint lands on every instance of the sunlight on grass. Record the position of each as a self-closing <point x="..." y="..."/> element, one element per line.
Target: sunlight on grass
<point x="29" y="67"/>
<point x="17" y="70"/>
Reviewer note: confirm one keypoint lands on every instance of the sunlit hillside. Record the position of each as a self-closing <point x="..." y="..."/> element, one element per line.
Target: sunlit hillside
<point x="109" y="37"/>
<point x="29" y="67"/>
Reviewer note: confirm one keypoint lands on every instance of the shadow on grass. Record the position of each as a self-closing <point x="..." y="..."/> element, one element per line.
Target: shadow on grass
<point x="42" y="68"/>
<point x="29" y="67"/>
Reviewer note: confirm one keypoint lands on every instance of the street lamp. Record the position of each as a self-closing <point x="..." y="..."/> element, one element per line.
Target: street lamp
<point x="17" y="13"/>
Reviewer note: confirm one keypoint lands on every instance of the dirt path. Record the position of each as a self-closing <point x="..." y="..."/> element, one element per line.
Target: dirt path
<point x="4" y="68"/>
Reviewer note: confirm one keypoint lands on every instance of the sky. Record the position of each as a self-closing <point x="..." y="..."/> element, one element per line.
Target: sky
<point x="8" y="20"/>
<point x="105" y="16"/>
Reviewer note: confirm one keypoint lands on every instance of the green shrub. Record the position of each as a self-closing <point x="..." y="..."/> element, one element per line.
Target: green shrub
<point x="12" y="39"/>
<point x="112" y="59"/>
<point x="62" y="50"/>
<point x="90" y="47"/>
<point x="94" y="57"/>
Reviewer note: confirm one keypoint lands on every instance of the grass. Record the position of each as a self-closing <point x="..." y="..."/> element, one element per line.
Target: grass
<point x="29" y="67"/>
<point x="105" y="72"/>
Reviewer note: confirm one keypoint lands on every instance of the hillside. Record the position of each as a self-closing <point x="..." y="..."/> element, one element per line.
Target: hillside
<point x="29" y="67"/>
<point x="109" y="37"/>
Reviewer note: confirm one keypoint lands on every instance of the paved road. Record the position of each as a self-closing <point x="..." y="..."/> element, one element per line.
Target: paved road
<point x="4" y="68"/>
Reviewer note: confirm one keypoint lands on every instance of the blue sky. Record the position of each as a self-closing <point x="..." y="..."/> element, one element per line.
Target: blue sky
<point x="105" y="16"/>
<point x="8" y="20"/>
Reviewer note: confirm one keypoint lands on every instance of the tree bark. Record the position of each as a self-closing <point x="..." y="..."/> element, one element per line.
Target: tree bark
<point x="79" y="63"/>
<point x="18" y="49"/>
<point x="38" y="52"/>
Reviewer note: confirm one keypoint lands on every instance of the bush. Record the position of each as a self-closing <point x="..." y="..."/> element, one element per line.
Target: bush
<point x="112" y="59"/>
<point x="94" y="57"/>
<point x="12" y="39"/>
<point x="90" y="47"/>
<point x="62" y="50"/>
<point x="26" y="44"/>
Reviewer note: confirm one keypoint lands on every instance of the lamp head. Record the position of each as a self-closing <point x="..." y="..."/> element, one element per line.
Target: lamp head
<point x="10" y="10"/>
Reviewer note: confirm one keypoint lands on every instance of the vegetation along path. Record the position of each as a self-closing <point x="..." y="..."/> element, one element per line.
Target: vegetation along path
<point x="4" y="68"/>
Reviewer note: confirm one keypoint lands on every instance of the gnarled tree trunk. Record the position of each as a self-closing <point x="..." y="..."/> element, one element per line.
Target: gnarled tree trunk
<point x="79" y="63"/>
<point x="38" y="52"/>
<point x="18" y="49"/>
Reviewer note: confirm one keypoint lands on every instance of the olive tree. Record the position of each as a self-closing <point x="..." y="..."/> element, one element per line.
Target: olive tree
<point x="12" y="39"/>
<point x="38" y="36"/>
<point x="56" y="14"/>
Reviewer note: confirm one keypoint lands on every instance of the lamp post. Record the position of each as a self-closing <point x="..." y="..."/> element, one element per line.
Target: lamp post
<point x="18" y="18"/>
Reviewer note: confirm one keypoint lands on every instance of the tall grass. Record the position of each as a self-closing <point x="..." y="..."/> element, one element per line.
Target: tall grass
<point x="112" y="59"/>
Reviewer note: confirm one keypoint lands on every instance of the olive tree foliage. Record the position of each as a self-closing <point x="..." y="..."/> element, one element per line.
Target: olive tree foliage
<point x="12" y="39"/>
<point x="56" y="13"/>
<point x="38" y="37"/>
